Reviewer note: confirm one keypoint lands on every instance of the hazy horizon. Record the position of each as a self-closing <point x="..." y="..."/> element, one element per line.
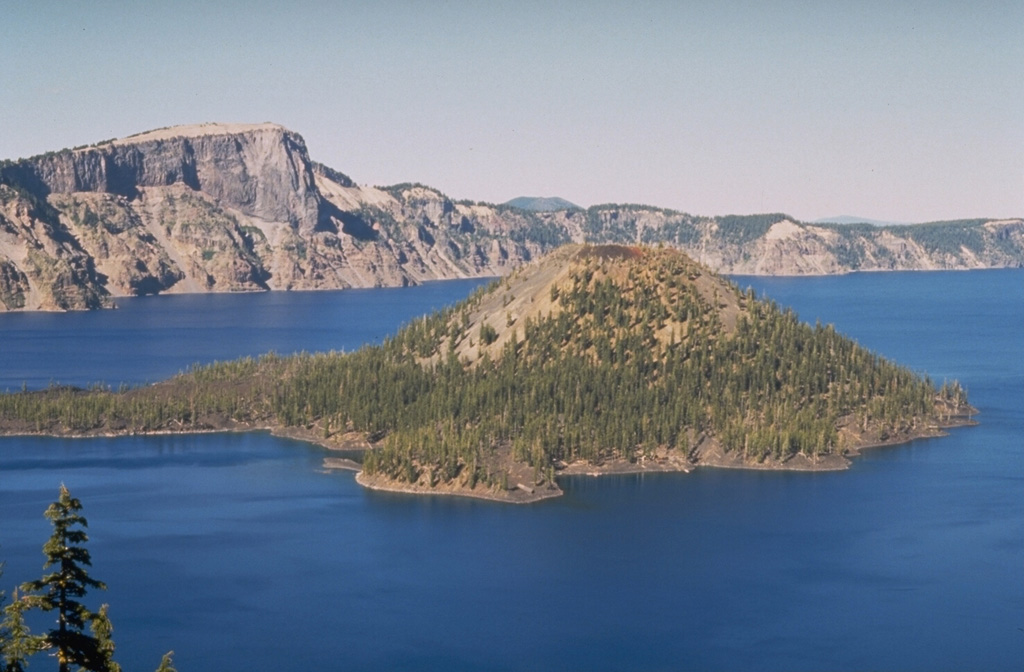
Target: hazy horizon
<point x="903" y="112"/>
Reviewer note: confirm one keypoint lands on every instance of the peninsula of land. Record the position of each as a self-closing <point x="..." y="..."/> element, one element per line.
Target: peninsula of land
<point x="593" y="360"/>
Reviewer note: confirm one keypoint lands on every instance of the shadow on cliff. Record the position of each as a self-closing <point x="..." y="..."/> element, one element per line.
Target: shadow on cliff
<point x="351" y="223"/>
<point x="24" y="179"/>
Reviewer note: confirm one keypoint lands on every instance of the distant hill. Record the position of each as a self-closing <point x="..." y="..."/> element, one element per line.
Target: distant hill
<point x="853" y="219"/>
<point x="541" y="204"/>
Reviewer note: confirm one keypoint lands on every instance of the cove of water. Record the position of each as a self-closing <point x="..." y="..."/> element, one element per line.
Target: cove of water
<point x="239" y="552"/>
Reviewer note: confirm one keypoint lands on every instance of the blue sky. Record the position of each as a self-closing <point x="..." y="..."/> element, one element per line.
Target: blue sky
<point x="899" y="111"/>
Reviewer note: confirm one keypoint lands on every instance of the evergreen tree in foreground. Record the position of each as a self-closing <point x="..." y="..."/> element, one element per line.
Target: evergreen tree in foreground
<point x="102" y="629"/>
<point x="61" y="589"/>
<point x="166" y="664"/>
<point x="17" y="643"/>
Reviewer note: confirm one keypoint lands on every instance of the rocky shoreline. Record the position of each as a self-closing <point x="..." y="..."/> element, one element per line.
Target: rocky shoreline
<point x="712" y="458"/>
<point x="708" y="454"/>
<point x="517" y="495"/>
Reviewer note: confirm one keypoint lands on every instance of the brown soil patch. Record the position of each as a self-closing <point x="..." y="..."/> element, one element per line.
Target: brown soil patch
<point x="610" y="252"/>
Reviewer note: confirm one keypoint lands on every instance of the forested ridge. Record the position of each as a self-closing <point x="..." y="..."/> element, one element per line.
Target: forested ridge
<point x="595" y="354"/>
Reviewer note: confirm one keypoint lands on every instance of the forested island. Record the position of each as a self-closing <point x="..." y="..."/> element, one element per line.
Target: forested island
<point x="596" y="359"/>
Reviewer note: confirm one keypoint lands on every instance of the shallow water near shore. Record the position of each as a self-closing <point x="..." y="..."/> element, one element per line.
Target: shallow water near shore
<point x="239" y="552"/>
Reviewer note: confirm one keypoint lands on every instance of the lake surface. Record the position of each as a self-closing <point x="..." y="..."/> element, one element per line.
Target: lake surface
<point x="151" y="338"/>
<point x="240" y="553"/>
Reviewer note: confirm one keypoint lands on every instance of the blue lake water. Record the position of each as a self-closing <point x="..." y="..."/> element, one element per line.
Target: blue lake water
<point x="240" y="553"/>
<point x="152" y="338"/>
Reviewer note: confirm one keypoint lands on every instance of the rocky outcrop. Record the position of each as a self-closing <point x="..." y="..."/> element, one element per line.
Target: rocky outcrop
<point x="222" y="207"/>
<point x="42" y="266"/>
<point x="261" y="170"/>
<point x="776" y="244"/>
<point x="219" y="207"/>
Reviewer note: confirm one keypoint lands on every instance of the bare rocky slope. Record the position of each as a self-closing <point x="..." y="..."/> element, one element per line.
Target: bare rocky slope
<point x="232" y="207"/>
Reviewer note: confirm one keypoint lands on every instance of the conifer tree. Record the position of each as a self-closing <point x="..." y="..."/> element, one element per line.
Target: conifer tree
<point x="61" y="589"/>
<point x="3" y="629"/>
<point x="166" y="664"/>
<point x="17" y="643"/>
<point x="102" y="629"/>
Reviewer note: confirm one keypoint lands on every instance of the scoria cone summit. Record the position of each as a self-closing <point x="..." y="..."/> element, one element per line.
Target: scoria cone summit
<point x="242" y="207"/>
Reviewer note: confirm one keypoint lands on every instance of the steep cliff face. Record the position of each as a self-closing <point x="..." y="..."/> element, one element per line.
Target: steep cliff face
<point x="42" y="266"/>
<point x="261" y="170"/>
<point x="777" y="245"/>
<point x="431" y="236"/>
<point x="221" y="207"/>
<point x="218" y="207"/>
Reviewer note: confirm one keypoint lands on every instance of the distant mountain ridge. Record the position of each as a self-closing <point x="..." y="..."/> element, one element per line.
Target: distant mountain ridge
<point x="541" y="203"/>
<point x="854" y="219"/>
<point x="243" y="207"/>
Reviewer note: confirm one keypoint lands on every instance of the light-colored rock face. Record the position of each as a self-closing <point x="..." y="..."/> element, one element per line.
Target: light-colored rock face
<point x="241" y="207"/>
<point x="220" y="207"/>
<point x="776" y="245"/>
<point x="263" y="172"/>
<point x="195" y="131"/>
<point x="41" y="267"/>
